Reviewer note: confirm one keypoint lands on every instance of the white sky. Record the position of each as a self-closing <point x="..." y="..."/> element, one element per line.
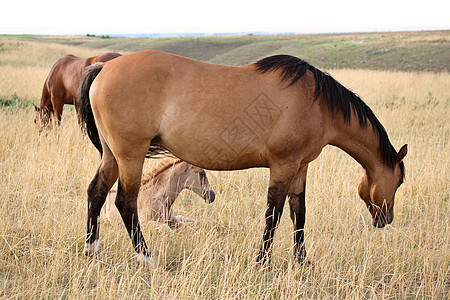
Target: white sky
<point x="165" y="16"/>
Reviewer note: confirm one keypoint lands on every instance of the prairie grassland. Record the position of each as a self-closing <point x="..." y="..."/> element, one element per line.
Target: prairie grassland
<point x="43" y="180"/>
<point x="24" y="65"/>
<point x="402" y="51"/>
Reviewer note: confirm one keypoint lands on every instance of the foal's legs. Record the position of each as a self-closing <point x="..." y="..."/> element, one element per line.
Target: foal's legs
<point x="296" y="198"/>
<point x="97" y="191"/>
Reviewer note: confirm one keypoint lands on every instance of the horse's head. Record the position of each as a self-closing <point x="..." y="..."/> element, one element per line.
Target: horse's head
<point x="378" y="190"/>
<point x="42" y="118"/>
<point x="198" y="182"/>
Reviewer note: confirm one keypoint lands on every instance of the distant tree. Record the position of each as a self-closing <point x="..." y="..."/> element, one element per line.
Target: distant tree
<point x="100" y="36"/>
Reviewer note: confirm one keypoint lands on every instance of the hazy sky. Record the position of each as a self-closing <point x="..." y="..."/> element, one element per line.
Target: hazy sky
<point x="103" y="17"/>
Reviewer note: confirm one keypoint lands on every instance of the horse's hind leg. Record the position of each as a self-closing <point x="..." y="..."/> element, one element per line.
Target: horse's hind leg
<point x="130" y="170"/>
<point x="296" y="198"/>
<point x="97" y="191"/>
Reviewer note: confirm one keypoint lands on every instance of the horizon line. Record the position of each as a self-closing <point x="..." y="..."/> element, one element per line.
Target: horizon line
<point x="309" y="31"/>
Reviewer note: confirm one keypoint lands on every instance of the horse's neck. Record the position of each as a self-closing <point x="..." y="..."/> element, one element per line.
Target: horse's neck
<point x="359" y="142"/>
<point x="46" y="101"/>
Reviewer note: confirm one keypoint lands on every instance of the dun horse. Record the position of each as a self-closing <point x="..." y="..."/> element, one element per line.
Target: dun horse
<point x="278" y="113"/>
<point x="61" y="85"/>
<point x="159" y="189"/>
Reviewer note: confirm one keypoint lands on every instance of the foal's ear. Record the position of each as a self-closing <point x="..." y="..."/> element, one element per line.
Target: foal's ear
<point x="402" y="152"/>
<point x="36" y="108"/>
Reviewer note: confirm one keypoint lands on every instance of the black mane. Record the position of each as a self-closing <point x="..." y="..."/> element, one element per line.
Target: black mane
<point x="337" y="97"/>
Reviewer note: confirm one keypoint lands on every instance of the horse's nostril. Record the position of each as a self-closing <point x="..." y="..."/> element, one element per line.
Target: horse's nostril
<point x="389" y="217"/>
<point x="378" y="222"/>
<point x="210" y="196"/>
<point x="383" y="220"/>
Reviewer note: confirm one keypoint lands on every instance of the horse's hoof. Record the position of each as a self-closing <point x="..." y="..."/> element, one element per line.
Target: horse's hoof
<point x="164" y="228"/>
<point x="148" y="261"/>
<point x="263" y="260"/>
<point x="182" y="219"/>
<point x="91" y="249"/>
<point x="300" y="256"/>
<point x="97" y="257"/>
<point x="161" y="228"/>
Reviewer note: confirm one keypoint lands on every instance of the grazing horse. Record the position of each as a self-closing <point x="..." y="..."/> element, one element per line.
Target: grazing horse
<point x="278" y="113"/>
<point x="61" y="85"/>
<point x="159" y="189"/>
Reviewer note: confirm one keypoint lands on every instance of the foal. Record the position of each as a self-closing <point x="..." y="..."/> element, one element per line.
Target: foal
<point x="159" y="189"/>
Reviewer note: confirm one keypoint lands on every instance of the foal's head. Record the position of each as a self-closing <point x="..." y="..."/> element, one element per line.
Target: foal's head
<point x="378" y="190"/>
<point x="195" y="179"/>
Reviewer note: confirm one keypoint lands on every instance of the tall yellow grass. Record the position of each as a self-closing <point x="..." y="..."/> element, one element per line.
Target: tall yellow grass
<point x="43" y="180"/>
<point x="24" y="65"/>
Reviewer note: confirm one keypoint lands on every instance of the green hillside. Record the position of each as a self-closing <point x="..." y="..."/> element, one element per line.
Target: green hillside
<point x="405" y="51"/>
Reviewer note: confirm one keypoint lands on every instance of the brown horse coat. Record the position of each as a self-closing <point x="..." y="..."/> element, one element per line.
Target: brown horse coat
<point x="243" y="129"/>
<point x="278" y="113"/>
<point x="61" y="85"/>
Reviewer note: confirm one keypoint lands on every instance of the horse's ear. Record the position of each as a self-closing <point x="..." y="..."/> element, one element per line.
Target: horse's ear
<point x="36" y="108"/>
<point x="402" y="152"/>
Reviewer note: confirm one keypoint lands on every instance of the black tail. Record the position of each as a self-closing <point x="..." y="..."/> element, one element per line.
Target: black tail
<point x="84" y="109"/>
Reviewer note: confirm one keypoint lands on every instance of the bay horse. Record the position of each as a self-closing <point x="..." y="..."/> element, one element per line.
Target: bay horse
<point x="159" y="189"/>
<point x="278" y="113"/>
<point x="61" y="85"/>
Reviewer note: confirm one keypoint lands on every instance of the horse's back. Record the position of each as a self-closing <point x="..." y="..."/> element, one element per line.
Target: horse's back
<point x="59" y="66"/>
<point x="107" y="56"/>
<point x="67" y="72"/>
<point x="64" y="77"/>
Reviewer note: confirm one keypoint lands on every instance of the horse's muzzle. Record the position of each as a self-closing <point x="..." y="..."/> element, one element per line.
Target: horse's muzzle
<point x="382" y="220"/>
<point x="210" y="196"/>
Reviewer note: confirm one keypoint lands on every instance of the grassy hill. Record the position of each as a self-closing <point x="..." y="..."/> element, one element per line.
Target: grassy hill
<point x="403" y="51"/>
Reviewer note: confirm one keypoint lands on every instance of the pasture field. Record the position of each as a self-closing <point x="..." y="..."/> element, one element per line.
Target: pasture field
<point x="402" y="51"/>
<point x="43" y="181"/>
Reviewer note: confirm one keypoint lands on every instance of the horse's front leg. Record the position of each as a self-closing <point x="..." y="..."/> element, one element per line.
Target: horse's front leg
<point x="58" y="103"/>
<point x="276" y="197"/>
<point x="296" y="199"/>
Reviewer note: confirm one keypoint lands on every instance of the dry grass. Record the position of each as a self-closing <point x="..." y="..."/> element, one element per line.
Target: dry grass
<point x="43" y="179"/>
<point x="24" y="65"/>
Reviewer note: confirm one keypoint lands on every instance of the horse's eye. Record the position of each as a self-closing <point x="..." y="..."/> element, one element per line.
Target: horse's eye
<point x="202" y="175"/>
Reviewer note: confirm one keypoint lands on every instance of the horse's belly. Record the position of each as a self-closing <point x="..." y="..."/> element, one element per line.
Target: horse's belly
<point x="230" y="149"/>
